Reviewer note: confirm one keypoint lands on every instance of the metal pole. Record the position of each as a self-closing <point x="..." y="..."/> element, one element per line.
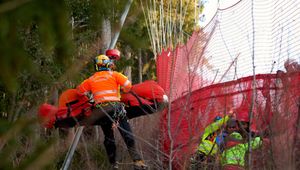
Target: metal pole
<point x="72" y="148"/>
<point x="122" y="20"/>
<point x="74" y="144"/>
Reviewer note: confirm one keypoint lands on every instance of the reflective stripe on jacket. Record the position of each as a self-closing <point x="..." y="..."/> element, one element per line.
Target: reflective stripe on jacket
<point x="104" y="86"/>
<point x="210" y="147"/>
<point x="236" y="154"/>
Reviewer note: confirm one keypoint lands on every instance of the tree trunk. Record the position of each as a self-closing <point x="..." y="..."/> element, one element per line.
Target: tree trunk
<point x="128" y="54"/>
<point x="140" y="66"/>
<point x="105" y="35"/>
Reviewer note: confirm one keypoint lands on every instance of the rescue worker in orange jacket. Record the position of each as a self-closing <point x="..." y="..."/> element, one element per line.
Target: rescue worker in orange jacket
<point x="104" y="87"/>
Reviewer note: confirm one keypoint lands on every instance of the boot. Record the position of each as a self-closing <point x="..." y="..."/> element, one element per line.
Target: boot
<point x="139" y="165"/>
<point x="115" y="166"/>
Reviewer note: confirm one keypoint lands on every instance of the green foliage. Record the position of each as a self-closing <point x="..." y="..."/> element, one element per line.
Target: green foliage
<point x="135" y="35"/>
<point x="21" y="148"/>
<point x="182" y="14"/>
<point x="49" y="20"/>
<point x="48" y="46"/>
<point x="36" y="49"/>
<point x="170" y="22"/>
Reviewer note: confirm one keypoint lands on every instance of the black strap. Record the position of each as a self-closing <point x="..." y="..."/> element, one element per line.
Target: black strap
<point x="140" y="102"/>
<point x="69" y="106"/>
<point x="136" y="96"/>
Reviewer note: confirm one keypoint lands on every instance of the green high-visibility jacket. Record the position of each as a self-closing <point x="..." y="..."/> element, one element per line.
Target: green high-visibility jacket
<point x="236" y="154"/>
<point x="210" y="147"/>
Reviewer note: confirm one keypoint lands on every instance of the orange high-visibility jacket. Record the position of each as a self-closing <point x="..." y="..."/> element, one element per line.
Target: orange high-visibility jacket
<point x="104" y="86"/>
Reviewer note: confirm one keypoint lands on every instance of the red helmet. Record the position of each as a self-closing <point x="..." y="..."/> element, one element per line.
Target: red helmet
<point x="113" y="54"/>
<point x="243" y="115"/>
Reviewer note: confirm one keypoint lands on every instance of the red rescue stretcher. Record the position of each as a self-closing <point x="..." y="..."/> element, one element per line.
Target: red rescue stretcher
<point x="143" y="99"/>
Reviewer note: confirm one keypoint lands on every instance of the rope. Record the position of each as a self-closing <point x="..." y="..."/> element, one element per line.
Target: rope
<point x="74" y="144"/>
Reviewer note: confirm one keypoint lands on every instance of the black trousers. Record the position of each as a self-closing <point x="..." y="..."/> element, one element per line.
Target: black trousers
<point x="109" y="139"/>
